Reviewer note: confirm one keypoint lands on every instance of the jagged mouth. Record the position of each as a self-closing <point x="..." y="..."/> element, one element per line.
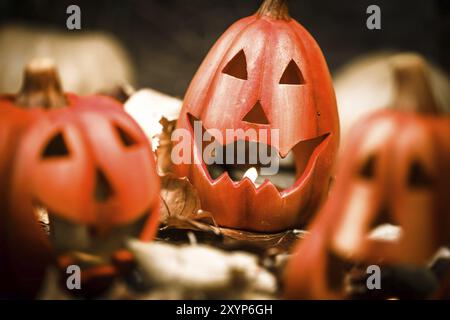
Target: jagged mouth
<point x="259" y="162"/>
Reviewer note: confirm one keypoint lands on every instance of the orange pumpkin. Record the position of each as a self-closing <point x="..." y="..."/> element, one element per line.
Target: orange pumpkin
<point x="395" y="169"/>
<point x="85" y="163"/>
<point x="265" y="72"/>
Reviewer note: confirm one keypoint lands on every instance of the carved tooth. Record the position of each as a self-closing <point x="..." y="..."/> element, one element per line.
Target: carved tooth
<point x="252" y="174"/>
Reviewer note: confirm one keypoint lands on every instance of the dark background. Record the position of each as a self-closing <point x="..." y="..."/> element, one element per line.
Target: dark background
<point x="167" y="39"/>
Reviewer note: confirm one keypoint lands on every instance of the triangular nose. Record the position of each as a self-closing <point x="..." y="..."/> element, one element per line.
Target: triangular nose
<point x="256" y="115"/>
<point x="103" y="189"/>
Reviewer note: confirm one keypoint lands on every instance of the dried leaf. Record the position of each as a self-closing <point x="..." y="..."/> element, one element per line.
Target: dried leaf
<point x="176" y="229"/>
<point x="280" y="242"/>
<point x="179" y="198"/>
<point x="164" y="150"/>
<point x="196" y="224"/>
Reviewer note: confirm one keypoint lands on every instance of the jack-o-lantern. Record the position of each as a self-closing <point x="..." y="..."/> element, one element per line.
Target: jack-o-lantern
<point x="394" y="170"/>
<point x="266" y="72"/>
<point x="86" y="165"/>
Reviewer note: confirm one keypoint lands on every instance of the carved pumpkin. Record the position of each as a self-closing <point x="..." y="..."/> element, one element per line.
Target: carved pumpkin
<point x="394" y="170"/>
<point x="86" y="164"/>
<point x="265" y="72"/>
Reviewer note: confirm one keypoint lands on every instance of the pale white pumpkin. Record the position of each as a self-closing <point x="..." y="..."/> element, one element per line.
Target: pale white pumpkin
<point x="88" y="62"/>
<point x="147" y="107"/>
<point x="367" y="84"/>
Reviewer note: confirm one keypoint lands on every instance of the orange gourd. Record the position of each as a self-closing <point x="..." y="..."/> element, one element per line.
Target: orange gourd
<point x="81" y="160"/>
<point x="265" y="72"/>
<point x="394" y="169"/>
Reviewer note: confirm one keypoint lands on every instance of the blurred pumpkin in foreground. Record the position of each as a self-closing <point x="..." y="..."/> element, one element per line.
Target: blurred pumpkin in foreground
<point x="81" y="161"/>
<point x="395" y="170"/>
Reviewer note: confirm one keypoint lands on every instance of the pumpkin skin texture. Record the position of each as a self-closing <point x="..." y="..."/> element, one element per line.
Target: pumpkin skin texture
<point x="266" y="61"/>
<point x="86" y="164"/>
<point x="395" y="169"/>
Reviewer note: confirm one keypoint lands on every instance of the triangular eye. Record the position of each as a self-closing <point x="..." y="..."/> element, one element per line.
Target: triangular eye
<point x="237" y="67"/>
<point x="367" y="171"/>
<point x="418" y="177"/>
<point x="256" y="115"/>
<point x="292" y="74"/>
<point x="56" y="147"/>
<point x="126" y="139"/>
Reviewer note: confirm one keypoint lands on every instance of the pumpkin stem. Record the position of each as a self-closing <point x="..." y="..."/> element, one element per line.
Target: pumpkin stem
<point x="413" y="86"/>
<point x="276" y="9"/>
<point x="41" y="86"/>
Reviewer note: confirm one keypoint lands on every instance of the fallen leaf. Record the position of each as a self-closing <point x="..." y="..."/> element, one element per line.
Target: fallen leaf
<point x="176" y="229"/>
<point x="164" y="149"/>
<point x="276" y="243"/>
<point x="179" y="198"/>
